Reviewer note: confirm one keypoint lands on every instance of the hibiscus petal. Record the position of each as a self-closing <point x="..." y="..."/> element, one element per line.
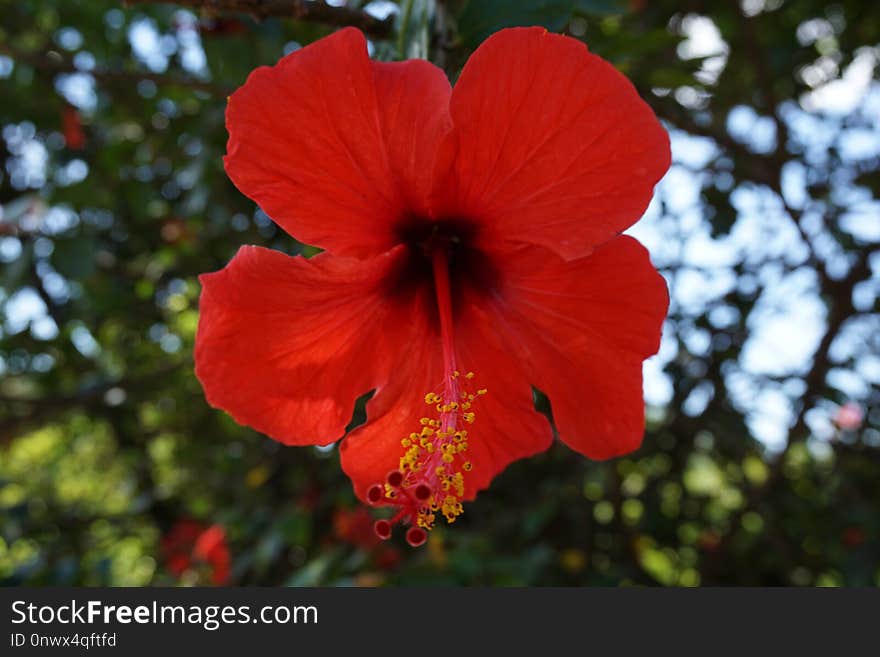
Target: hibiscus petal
<point x="583" y="328"/>
<point x="507" y="427"/>
<point x="328" y="143"/>
<point x="551" y="145"/>
<point x="285" y="345"/>
<point x="413" y="105"/>
<point x="373" y="450"/>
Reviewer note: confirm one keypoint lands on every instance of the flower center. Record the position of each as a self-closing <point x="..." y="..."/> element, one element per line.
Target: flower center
<point x="431" y="473"/>
<point x="467" y="267"/>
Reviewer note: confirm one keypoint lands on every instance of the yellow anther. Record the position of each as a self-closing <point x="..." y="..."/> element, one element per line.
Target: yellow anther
<point x="435" y="449"/>
<point x="482" y="391"/>
<point x="425" y="520"/>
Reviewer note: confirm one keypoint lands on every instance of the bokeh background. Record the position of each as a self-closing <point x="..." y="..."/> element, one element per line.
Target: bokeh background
<point x="761" y="459"/>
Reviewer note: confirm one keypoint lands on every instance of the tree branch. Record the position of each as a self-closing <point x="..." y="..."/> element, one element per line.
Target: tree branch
<point x="765" y="80"/>
<point x="52" y="62"/>
<point x="302" y="10"/>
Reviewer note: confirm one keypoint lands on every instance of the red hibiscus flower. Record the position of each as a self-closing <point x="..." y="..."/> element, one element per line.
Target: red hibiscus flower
<point x="472" y="249"/>
<point x="190" y="544"/>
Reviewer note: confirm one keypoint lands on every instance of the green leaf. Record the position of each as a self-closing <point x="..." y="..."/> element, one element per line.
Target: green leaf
<point x="74" y="258"/>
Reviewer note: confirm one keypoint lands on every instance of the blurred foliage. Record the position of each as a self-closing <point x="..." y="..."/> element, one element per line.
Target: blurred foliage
<point x="477" y="19"/>
<point x="114" y="199"/>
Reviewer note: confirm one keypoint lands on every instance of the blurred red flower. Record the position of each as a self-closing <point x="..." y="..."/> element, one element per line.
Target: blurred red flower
<point x="190" y="544"/>
<point x="475" y="229"/>
<point x="71" y="126"/>
<point x="853" y="537"/>
<point x="355" y="526"/>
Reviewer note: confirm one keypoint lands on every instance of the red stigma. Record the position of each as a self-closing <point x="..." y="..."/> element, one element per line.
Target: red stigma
<point x="422" y="492"/>
<point x="383" y="529"/>
<point x="395" y="478"/>
<point x="416" y="536"/>
<point x="375" y="494"/>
